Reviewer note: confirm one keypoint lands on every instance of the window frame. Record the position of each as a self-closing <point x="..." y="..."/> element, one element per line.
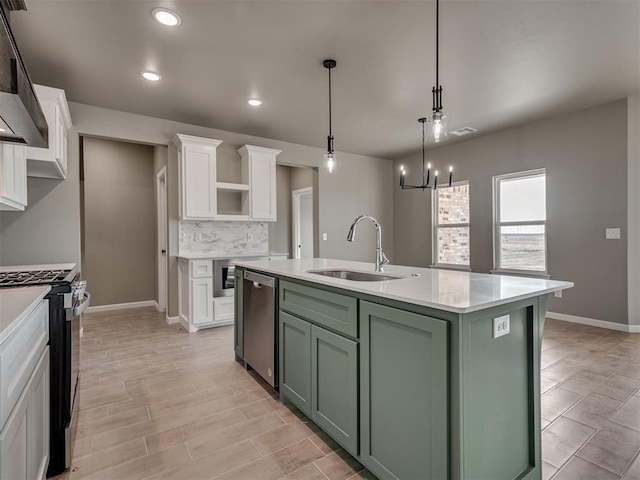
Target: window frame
<point x="435" y="226"/>
<point x="497" y="264"/>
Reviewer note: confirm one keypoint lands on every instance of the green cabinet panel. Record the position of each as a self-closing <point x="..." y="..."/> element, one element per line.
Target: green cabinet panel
<point x="238" y="315"/>
<point x="295" y="361"/>
<point x="403" y="394"/>
<point x="332" y="310"/>
<point x="505" y="412"/>
<point x="334" y="386"/>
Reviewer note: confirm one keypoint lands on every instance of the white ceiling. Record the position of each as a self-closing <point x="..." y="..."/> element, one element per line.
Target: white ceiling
<point x="502" y="62"/>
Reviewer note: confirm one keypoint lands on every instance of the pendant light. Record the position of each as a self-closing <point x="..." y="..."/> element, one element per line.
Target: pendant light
<point x="437" y="119"/>
<point x="426" y="170"/>
<point x="330" y="160"/>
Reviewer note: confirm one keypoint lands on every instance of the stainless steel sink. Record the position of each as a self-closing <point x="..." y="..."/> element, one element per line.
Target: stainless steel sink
<point x="355" y="275"/>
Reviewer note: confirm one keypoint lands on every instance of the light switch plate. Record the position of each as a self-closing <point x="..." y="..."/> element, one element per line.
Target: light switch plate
<point x="324" y="236"/>
<point x="612" y="233"/>
<point x="501" y="326"/>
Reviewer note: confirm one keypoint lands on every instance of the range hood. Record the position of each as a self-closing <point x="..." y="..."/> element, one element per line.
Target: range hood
<point x="21" y="117"/>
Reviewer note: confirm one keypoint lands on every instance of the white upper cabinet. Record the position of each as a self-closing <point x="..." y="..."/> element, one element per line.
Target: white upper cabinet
<point x="259" y="171"/>
<point x="13" y="177"/>
<point x="51" y="162"/>
<point x="197" y="172"/>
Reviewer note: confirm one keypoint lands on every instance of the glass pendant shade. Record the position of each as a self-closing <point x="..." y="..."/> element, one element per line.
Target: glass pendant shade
<point x="438" y="129"/>
<point x="330" y="162"/>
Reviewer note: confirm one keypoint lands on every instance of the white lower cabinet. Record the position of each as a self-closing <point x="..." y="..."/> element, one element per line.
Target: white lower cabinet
<point x="197" y="307"/>
<point x="201" y="296"/>
<point x="24" y="440"/>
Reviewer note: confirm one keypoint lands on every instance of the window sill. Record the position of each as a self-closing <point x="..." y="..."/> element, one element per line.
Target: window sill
<point x="522" y="273"/>
<point x="462" y="268"/>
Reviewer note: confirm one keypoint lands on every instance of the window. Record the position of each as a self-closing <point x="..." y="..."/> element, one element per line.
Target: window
<point x="451" y="225"/>
<point x="520" y="214"/>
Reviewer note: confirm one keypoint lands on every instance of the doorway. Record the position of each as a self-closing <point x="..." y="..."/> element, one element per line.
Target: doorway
<point x="118" y="228"/>
<point x="302" y="216"/>
<point x="161" y="205"/>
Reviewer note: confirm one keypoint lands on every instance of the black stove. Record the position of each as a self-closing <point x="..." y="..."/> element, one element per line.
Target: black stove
<point x="66" y="303"/>
<point x="34" y="277"/>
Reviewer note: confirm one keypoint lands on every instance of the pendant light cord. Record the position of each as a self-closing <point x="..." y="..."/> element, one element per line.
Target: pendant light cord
<point x="437" y="43"/>
<point x="423" y="152"/>
<point x="330" y="134"/>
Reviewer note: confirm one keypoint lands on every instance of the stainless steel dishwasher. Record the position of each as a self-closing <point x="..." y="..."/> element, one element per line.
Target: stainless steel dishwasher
<point x="259" y="310"/>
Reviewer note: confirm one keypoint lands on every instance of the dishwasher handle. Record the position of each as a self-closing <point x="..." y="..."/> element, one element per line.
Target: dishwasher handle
<point x="260" y="280"/>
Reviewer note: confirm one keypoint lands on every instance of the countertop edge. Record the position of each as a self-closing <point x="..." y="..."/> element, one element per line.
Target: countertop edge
<point x="244" y="256"/>
<point x="6" y="332"/>
<point x="413" y="301"/>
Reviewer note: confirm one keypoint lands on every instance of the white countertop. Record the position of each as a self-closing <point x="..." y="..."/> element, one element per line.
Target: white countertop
<point x="449" y="290"/>
<point x="15" y="303"/>
<point x="31" y="268"/>
<point x="210" y="256"/>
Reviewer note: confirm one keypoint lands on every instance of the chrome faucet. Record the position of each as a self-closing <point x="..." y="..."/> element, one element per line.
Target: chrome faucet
<point x="381" y="258"/>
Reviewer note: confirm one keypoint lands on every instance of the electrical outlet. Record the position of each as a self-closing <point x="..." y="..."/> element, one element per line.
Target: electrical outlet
<point x="501" y="326"/>
<point x="612" y="233"/>
<point x="558" y="294"/>
<point x="185" y="237"/>
<point x="198" y="237"/>
<point x="249" y="237"/>
<point x="324" y="236"/>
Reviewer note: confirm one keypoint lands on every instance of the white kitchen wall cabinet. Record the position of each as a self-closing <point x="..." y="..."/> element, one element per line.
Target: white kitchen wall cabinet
<point x="24" y="397"/>
<point x="197" y="177"/>
<point x="13" y="177"/>
<point x="51" y="162"/>
<point x="259" y="172"/>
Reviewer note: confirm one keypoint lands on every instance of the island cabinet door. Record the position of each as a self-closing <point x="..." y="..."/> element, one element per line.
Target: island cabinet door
<point x="295" y="362"/>
<point x="334" y="386"/>
<point x="403" y="394"/>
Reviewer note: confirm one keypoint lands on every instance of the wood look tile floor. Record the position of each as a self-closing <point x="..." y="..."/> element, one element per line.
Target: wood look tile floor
<point x="158" y="403"/>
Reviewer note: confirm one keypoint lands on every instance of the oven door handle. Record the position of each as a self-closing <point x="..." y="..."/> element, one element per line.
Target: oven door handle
<point x="78" y="309"/>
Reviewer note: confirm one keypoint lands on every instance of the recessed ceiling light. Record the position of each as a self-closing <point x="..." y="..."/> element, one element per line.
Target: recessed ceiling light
<point x="464" y="131"/>
<point x="166" y="17"/>
<point x="151" y="76"/>
<point x="254" y="102"/>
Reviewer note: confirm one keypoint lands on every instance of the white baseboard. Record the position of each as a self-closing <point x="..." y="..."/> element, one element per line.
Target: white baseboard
<point x="594" y="323"/>
<point x="121" y="306"/>
<point x="172" y="320"/>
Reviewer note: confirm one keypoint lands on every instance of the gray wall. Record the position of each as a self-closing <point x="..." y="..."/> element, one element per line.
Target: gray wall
<point x="119" y="221"/>
<point x="363" y="185"/>
<point x="48" y="231"/>
<point x="585" y="154"/>
<point x="280" y="231"/>
<point x="301" y="178"/>
<point x="633" y="191"/>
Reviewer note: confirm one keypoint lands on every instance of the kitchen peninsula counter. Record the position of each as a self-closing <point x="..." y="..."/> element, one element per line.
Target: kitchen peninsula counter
<point x="435" y="375"/>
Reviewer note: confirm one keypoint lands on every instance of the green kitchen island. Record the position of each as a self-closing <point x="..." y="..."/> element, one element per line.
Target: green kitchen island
<point x="432" y="375"/>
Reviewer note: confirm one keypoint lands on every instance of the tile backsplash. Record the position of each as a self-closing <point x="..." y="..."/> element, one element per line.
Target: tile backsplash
<point x="223" y="238"/>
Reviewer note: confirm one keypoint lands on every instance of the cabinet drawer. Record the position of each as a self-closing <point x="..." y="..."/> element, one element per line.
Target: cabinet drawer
<point x="201" y="268"/>
<point x="222" y="309"/>
<point x="332" y="310"/>
<point x="19" y="355"/>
